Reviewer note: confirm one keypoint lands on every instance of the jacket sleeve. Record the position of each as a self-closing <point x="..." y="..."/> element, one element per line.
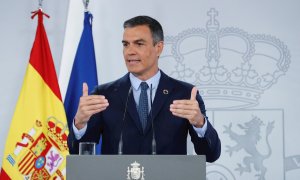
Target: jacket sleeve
<point x="92" y="134"/>
<point x="210" y="144"/>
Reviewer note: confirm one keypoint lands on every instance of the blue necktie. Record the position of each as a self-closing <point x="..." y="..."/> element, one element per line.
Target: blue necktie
<point x="143" y="104"/>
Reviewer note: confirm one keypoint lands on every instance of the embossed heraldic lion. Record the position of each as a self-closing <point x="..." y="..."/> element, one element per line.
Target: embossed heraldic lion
<point x="247" y="142"/>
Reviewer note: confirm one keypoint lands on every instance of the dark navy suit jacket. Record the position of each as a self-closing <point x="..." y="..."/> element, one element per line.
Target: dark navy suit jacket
<point x="170" y="131"/>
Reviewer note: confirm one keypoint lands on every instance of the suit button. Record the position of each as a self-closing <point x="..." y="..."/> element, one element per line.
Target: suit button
<point x="209" y="142"/>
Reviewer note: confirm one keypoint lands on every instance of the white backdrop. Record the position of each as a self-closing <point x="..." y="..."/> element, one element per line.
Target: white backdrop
<point x="242" y="56"/>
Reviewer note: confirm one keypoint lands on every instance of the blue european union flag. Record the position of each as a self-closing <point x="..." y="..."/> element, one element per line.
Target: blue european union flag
<point x="84" y="70"/>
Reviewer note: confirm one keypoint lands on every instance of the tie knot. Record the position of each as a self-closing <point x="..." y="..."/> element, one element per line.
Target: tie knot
<point x="144" y="86"/>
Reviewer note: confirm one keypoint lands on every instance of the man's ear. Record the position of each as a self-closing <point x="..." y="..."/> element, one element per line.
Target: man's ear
<point x="159" y="47"/>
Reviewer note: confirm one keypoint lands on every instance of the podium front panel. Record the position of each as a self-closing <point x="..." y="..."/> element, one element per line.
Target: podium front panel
<point x="136" y="167"/>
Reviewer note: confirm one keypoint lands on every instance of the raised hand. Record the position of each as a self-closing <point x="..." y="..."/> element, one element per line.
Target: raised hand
<point x="88" y="105"/>
<point x="188" y="109"/>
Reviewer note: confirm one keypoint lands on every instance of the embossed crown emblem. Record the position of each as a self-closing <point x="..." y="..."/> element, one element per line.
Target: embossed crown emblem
<point x="226" y="63"/>
<point x="57" y="133"/>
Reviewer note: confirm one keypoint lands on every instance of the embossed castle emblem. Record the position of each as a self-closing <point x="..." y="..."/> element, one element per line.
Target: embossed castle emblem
<point x="135" y="172"/>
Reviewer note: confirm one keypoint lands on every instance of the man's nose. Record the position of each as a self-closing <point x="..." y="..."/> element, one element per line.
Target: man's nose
<point x="130" y="50"/>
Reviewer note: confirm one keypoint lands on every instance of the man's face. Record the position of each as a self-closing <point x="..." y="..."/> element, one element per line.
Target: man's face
<point x="140" y="54"/>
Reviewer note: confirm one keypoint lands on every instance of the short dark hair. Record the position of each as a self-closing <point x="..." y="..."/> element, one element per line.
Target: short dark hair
<point x="154" y="26"/>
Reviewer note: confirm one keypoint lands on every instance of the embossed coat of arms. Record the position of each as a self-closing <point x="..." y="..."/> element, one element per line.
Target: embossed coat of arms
<point x="135" y="172"/>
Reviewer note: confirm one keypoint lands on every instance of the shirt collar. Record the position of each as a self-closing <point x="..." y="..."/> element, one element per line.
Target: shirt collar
<point x="154" y="80"/>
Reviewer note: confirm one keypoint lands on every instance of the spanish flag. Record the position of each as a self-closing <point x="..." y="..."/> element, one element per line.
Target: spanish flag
<point x="36" y="146"/>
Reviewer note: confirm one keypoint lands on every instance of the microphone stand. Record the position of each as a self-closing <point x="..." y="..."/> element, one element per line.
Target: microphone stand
<point x="120" y="146"/>
<point x="152" y="125"/>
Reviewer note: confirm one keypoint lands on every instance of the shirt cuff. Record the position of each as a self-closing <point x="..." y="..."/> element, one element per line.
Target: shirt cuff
<point x="201" y="131"/>
<point x="78" y="133"/>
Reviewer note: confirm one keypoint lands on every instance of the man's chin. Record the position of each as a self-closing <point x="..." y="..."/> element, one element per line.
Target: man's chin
<point x="133" y="70"/>
<point x="134" y="73"/>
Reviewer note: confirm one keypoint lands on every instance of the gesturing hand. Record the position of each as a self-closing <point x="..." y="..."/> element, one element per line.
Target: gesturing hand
<point x="88" y="105"/>
<point x="188" y="109"/>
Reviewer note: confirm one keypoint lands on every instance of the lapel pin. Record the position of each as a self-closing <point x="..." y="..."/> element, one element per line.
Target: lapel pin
<point x="165" y="91"/>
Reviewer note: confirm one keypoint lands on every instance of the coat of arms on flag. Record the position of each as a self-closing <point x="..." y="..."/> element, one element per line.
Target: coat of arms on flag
<point x="38" y="153"/>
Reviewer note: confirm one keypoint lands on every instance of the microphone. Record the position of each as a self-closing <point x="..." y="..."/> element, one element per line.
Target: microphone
<point x="120" y="147"/>
<point x="152" y="125"/>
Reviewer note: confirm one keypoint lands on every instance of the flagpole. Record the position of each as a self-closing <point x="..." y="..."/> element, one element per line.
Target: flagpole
<point x="40" y="5"/>
<point x="86" y="4"/>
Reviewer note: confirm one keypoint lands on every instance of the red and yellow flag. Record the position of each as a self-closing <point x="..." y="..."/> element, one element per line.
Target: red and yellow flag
<point x="36" y="146"/>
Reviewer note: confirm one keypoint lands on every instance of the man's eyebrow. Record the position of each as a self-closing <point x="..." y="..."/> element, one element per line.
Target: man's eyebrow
<point x="135" y="41"/>
<point x="139" y="40"/>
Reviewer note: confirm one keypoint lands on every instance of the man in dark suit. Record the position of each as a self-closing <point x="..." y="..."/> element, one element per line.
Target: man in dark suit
<point x="122" y="111"/>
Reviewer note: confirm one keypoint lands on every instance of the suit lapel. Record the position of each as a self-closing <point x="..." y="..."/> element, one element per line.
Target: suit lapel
<point x="163" y="93"/>
<point x="133" y="113"/>
<point x="122" y="88"/>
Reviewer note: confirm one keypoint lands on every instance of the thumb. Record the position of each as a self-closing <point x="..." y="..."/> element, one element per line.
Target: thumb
<point x="85" y="89"/>
<point x="194" y="93"/>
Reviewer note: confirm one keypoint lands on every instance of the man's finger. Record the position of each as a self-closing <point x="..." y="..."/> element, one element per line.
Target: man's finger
<point x="194" y="93"/>
<point x="85" y="89"/>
